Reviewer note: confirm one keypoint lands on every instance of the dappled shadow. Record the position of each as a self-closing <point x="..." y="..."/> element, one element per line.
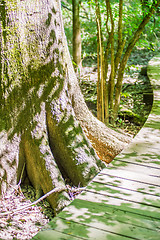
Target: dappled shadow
<point x="99" y="220"/>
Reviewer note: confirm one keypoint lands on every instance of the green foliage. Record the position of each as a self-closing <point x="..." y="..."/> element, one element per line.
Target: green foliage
<point x="132" y="16"/>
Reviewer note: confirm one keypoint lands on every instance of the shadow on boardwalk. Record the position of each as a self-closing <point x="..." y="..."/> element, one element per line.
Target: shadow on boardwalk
<point x="123" y="200"/>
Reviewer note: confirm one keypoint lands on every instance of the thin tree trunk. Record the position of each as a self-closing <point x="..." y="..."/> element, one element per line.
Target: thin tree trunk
<point x="99" y="109"/>
<point x="107" y="84"/>
<point x="127" y="54"/>
<point x="112" y="75"/>
<point x="121" y="41"/>
<point x="76" y="36"/>
<point x="102" y="83"/>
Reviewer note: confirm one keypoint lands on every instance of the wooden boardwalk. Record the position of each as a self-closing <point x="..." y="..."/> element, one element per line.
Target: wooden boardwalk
<point x="123" y="200"/>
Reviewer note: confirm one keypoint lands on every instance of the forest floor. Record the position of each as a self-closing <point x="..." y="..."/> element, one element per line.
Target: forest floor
<point x="136" y="97"/>
<point x="27" y="223"/>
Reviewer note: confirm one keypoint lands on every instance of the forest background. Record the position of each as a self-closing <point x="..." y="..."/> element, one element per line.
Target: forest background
<point x="101" y="40"/>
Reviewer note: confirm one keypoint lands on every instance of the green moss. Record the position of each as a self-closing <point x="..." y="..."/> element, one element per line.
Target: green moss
<point x="53" y="10"/>
<point x="156" y="162"/>
<point x="119" y="163"/>
<point x="92" y="172"/>
<point x="22" y="82"/>
<point x="92" y="151"/>
<point x="48" y="21"/>
<point x="129" y="114"/>
<point x="56" y="50"/>
<point x="87" y="152"/>
<point x="2" y="124"/>
<point x="53" y="35"/>
<point x="49" y="47"/>
<point x="3" y="10"/>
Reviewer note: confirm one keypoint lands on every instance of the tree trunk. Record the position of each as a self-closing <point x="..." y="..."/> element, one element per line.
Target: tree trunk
<point x="100" y="63"/>
<point x="99" y="108"/>
<point x="127" y="53"/>
<point x="76" y="36"/>
<point x="44" y="122"/>
<point x="112" y="75"/>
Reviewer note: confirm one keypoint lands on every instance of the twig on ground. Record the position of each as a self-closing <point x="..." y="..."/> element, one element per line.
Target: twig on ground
<point x="34" y="203"/>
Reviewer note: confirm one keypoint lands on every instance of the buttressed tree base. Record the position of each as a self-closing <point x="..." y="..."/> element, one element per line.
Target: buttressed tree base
<point x="48" y="137"/>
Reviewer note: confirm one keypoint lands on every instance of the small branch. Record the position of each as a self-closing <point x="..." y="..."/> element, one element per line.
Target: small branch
<point x="18" y="185"/>
<point x="69" y="9"/>
<point x="85" y="11"/>
<point x="34" y="203"/>
<point x="64" y="6"/>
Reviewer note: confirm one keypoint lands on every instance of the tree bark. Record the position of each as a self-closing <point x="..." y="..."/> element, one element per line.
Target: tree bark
<point x="99" y="109"/>
<point x="101" y="83"/>
<point x="76" y="36"/>
<point x="112" y="75"/>
<point x="45" y="125"/>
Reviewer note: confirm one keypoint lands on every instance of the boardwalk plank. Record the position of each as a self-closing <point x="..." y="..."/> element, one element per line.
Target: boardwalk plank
<point x="87" y="231"/>
<point x="131" y="175"/>
<point x="121" y="203"/>
<point x="54" y="235"/>
<point x="143" y="160"/>
<point x="78" y="211"/>
<point x="145" y="153"/>
<point x="107" y="218"/>
<point x="125" y="194"/>
<point x="127" y="184"/>
<point x="150" y="171"/>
